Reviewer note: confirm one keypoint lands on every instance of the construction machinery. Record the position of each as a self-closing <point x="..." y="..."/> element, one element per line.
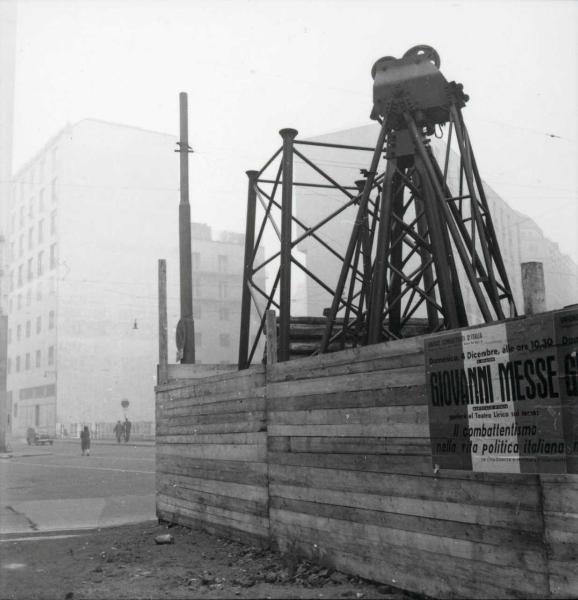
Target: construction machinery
<point x="420" y="239"/>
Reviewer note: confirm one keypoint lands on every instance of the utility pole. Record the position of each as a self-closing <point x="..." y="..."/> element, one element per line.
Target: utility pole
<point x="186" y="325"/>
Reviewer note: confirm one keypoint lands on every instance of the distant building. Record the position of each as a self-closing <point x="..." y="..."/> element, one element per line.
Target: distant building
<point x="217" y="286"/>
<point x="89" y="217"/>
<point x="7" y="63"/>
<point x="519" y="237"/>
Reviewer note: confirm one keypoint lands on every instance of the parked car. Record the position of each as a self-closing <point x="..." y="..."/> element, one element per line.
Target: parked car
<point x="36" y="438"/>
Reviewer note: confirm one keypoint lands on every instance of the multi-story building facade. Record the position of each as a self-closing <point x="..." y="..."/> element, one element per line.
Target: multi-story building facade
<point x="520" y="239"/>
<point x="89" y="217"/>
<point x="217" y="284"/>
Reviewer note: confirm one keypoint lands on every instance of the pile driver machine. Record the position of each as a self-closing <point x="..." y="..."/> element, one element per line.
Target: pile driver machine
<point x="419" y="240"/>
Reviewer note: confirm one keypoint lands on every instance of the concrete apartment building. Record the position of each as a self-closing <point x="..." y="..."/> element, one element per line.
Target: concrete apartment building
<point x="520" y="238"/>
<point x="89" y="217"/>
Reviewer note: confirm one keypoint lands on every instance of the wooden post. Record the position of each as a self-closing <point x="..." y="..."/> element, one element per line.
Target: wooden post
<point x="533" y="288"/>
<point x="163" y="368"/>
<point x="271" y="333"/>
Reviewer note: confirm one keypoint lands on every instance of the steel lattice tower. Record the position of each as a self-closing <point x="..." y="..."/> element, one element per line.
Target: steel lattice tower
<point x="416" y="241"/>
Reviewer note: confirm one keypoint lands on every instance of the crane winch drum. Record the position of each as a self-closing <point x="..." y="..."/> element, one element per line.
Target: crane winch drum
<point x="413" y="83"/>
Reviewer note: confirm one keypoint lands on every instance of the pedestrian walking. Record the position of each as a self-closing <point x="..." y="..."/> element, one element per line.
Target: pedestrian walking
<point x="127" y="426"/>
<point x="85" y="441"/>
<point x="118" y="431"/>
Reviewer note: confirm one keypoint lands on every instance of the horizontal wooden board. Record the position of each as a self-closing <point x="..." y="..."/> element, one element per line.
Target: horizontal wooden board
<point x="251" y="403"/>
<point x="348" y="382"/>
<point x="198" y="500"/>
<point x="227" y="452"/>
<point x="345" y="357"/>
<point x="413" y="395"/>
<point x="481" y="552"/>
<point x="413" y="415"/>
<point x="353" y="430"/>
<point x="350" y="445"/>
<point x="239" y="521"/>
<point x="224" y="488"/>
<point x="251" y="473"/>
<point x="238" y="426"/>
<point x="505" y="537"/>
<point x="563" y="578"/>
<point x="502" y="516"/>
<point x="387" y="363"/>
<point x="260" y="538"/>
<point x="445" y="490"/>
<point x="214" y="438"/>
<point x="355" y="462"/>
<point x="209" y="419"/>
<point x="428" y="573"/>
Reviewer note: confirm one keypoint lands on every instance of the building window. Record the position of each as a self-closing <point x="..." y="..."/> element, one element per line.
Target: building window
<point x="38" y="324"/>
<point x="30" y="238"/>
<point x="223" y="313"/>
<point x="53" y="190"/>
<point x="224" y="340"/>
<point x="41" y="200"/>
<point x="51" y="320"/>
<point x="9" y="366"/>
<point x="19" y="304"/>
<point x="28" y="297"/>
<point x="222" y="262"/>
<point x="39" y="291"/>
<point x="17" y="364"/>
<point x="21" y="245"/>
<point x="18" y="332"/>
<point x="40" y="231"/>
<point x="28" y="329"/>
<point x="20" y="273"/>
<point x="38" y="359"/>
<point x="222" y="290"/>
<point x="30" y="270"/>
<point x="21" y="216"/>
<point x="27" y="363"/>
<point x="51" y="355"/>
<point x="15" y="410"/>
<point x="53" y="222"/>
<point x="40" y="263"/>
<point x="53" y="256"/>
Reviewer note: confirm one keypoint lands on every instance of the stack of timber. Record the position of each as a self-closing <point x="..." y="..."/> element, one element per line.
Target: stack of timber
<point x="306" y="333"/>
<point x="352" y="485"/>
<point x="211" y="454"/>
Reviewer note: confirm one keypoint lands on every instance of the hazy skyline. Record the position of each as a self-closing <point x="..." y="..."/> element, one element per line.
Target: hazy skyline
<point x="253" y="67"/>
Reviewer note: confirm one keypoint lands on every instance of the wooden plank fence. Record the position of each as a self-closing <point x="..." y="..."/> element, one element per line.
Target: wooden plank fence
<point x="330" y="457"/>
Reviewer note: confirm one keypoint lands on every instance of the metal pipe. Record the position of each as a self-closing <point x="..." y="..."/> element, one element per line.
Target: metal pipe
<point x="286" y="222"/>
<point x="247" y="271"/>
<point x="383" y="237"/>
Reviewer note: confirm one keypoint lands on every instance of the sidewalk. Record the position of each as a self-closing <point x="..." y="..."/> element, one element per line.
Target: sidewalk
<point x="19" y="449"/>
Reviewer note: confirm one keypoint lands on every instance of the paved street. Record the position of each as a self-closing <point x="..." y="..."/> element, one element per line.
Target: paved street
<point x="55" y="488"/>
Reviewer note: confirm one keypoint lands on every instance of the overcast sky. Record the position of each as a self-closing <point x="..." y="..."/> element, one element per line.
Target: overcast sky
<point x="253" y="67"/>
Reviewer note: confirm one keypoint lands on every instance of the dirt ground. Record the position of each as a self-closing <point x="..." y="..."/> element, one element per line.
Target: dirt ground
<point x="126" y="562"/>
